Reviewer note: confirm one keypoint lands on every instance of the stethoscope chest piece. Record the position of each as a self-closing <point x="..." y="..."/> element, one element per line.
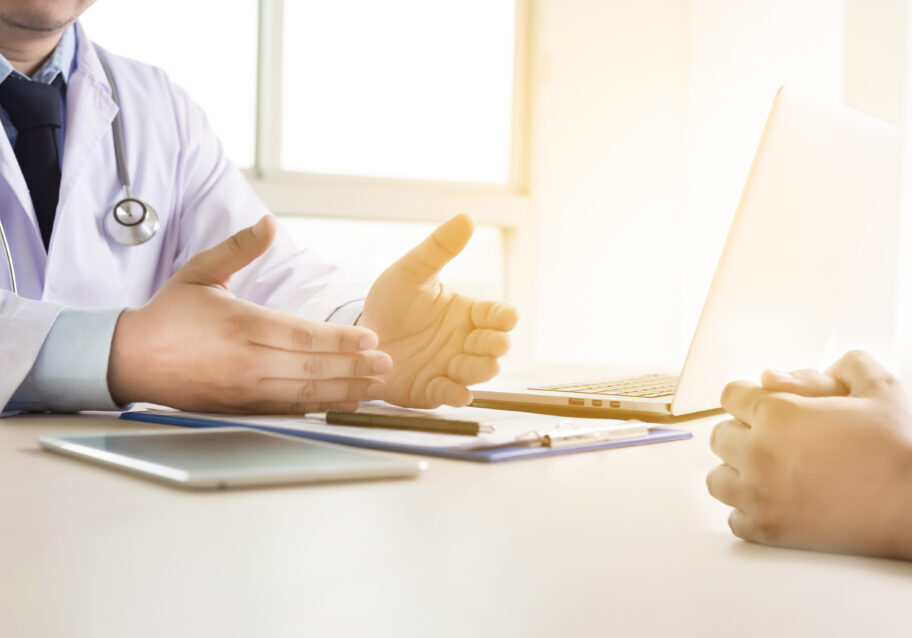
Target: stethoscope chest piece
<point x="131" y="222"/>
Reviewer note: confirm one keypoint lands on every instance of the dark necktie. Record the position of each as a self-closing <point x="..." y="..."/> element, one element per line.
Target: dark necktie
<point x="34" y="109"/>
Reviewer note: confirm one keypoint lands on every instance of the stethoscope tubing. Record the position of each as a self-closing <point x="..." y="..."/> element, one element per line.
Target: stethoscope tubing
<point x="9" y="261"/>
<point x="120" y="154"/>
<point x="144" y="228"/>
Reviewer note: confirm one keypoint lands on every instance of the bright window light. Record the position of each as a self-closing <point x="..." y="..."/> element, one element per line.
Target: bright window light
<point x="400" y="88"/>
<point x="363" y="249"/>
<point x="207" y="49"/>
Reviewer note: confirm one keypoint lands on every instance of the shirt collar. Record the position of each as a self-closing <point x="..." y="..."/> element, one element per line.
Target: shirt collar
<point x="62" y="61"/>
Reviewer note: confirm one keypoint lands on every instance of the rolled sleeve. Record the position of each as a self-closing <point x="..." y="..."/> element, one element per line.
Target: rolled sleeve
<point x="71" y="370"/>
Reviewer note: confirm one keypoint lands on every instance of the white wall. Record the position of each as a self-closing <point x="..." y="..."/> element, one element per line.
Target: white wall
<point x="875" y="69"/>
<point x="606" y="159"/>
<point x="644" y="119"/>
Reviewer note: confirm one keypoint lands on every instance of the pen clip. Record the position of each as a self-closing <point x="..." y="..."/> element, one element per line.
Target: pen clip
<point x="574" y="435"/>
<point x="567" y="433"/>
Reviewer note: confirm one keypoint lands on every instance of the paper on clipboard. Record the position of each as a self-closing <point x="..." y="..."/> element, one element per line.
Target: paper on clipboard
<point x="508" y="427"/>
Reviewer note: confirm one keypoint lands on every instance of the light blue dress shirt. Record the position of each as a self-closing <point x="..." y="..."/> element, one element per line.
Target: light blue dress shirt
<point x="71" y="370"/>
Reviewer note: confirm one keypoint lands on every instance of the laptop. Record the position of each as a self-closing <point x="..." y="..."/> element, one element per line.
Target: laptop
<point x="820" y="173"/>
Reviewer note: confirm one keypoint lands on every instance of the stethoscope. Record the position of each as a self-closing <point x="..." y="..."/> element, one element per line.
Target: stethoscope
<point x="132" y="221"/>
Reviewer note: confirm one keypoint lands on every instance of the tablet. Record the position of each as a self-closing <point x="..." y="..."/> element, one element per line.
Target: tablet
<point x="230" y="457"/>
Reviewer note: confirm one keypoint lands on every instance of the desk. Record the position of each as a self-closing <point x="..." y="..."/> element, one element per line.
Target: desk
<point x="613" y="543"/>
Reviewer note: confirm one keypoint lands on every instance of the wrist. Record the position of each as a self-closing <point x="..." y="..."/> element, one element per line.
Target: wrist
<point x="122" y="384"/>
<point x="900" y="541"/>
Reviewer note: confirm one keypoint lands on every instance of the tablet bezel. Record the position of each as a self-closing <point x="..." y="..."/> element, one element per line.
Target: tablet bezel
<point x="376" y="465"/>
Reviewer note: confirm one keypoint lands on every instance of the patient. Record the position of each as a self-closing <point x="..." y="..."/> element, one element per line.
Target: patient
<point x="819" y="461"/>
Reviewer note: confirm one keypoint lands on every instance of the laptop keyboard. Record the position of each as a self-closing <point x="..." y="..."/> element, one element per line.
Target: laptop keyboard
<point x="647" y="385"/>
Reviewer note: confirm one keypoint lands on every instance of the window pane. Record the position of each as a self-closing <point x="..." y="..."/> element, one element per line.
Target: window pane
<point x="363" y="249"/>
<point x="207" y="50"/>
<point x="400" y="88"/>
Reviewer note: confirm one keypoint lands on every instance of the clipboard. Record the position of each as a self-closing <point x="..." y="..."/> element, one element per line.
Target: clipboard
<point x="313" y="429"/>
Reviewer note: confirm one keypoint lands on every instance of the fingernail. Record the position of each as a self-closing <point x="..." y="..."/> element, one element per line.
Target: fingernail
<point x="383" y="365"/>
<point x="368" y="341"/>
<point x="779" y="374"/>
<point x="375" y="390"/>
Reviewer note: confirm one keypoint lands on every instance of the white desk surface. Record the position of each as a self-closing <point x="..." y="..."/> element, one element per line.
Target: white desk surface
<point x="613" y="543"/>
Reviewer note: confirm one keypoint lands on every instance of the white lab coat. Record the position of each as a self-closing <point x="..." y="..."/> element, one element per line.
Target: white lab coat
<point x="177" y="165"/>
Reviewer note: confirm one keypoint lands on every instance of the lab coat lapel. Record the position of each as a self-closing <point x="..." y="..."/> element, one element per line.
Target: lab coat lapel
<point x="21" y="223"/>
<point x="90" y="111"/>
<point x="9" y="168"/>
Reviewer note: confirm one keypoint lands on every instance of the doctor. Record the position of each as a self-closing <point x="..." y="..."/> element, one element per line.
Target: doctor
<point x="215" y="309"/>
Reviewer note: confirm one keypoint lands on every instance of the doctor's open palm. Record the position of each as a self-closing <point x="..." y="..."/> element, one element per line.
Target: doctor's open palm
<point x="440" y="341"/>
<point x="195" y="346"/>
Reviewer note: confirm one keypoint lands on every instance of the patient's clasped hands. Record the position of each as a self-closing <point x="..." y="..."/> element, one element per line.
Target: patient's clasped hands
<point x="195" y="346"/>
<point x="819" y="461"/>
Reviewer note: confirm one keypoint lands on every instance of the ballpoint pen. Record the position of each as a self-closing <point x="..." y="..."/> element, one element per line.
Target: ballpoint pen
<point x="407" y="422"/>
<point x="567" y="434"/>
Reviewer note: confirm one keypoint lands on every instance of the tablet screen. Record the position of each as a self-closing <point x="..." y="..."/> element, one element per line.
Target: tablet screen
<point x="201" y="451"/>
<point x="230" y="455"/>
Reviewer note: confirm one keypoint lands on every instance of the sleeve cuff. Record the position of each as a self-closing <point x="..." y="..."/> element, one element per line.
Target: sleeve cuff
<point x="71" y="370"/>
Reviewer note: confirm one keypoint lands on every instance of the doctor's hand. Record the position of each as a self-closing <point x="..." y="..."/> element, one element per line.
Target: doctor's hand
<point x="819" y="461"/>
<point x="195" y="346"/>
<point x="440" y="341"/>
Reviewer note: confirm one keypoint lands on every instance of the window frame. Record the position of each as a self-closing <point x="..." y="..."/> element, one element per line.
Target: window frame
<point x="302" y="194"/>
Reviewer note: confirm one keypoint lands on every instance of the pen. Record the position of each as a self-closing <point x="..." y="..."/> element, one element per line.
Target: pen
<point x="560" y="437"/>
<point x="407" y="422"/>
<point x="570" y="436"/>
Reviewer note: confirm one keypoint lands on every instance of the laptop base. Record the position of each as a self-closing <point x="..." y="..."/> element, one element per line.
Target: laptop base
<point x="598" y="413"/>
